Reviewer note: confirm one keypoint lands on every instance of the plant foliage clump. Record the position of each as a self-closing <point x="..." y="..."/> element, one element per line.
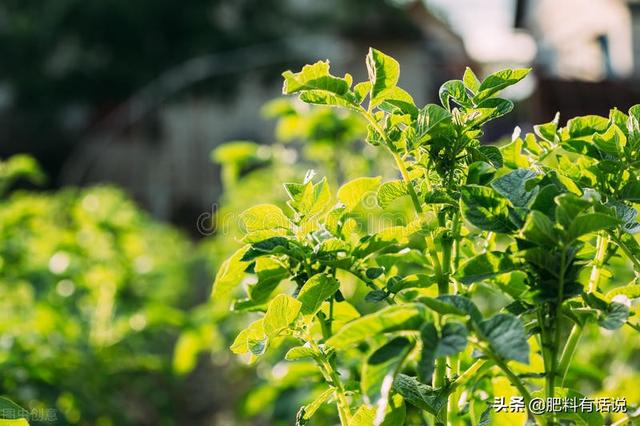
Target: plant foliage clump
<point x="395" y="317"/>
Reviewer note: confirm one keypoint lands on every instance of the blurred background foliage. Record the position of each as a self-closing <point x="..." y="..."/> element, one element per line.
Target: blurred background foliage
<point x="104" y="306"/>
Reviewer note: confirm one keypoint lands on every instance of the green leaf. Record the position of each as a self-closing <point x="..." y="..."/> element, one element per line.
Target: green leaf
<point x="9" y="410"/>
<point x="614" y="316"/>
<point x="305" y="413"/>
<point x="544" y="201"/>
<point x="470" y="80"/>
<point x="380" y="240"/>
<point x="429" y="337"/>
<point x="441" y="307"/>
<point x="420" y="395"/>
<point x="282" y="311"/>
<point x="14" y="422"/>
<point x="462" y="303"/>
<point x="454" y="89"/>
<point x="252" y="339"/>
<point x="273" y="245"/>
<point x="361" y="90"/>
<point x="486" y="265"/>
<point x="452" y="339"/>
<point x="506" y="336"/>
<point x="539" y="230"/>
<point x="316" y="85"/>
<point x="270" y="273"/>
<point x="611" y="142"/>
<point x="309" y="199"/>
<point x="380" y="370"/>
<point x="512" y="154"/>
<point x="586" y="126"/>
<point x="488" y="110"/>
<point x="568" y="207"/>
<point x="373" y="273"/>
<point x="492" y="155"/>
<point x="479" y="172"/>
<point x="498" y="81"/>
<point x="484" y="208"/>
<point x="631" y="291"/>
<point x="376" y="296"/>
<point x="548" y="130"/>
<point x="315" y="291"/>
<point x="299" y="352"/>
<point x="353" y="192"/>
<point x="631" y="191"/>
<point x="392" y="318"/>
<point x="428" y="119"/>
<point x="384" y="72"/>
<point x="397" y="101"/>
<point x="591" y="222"/>
<point x="394" y="416"/>
<point x="513" y="185"/>
<point x="229" y="275"/>
<point x="390" y="191"/>
<point x="364" y="416"/>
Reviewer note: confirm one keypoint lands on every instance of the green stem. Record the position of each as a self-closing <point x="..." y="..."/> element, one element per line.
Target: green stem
<point x="601" y="250"/>
<point x="553" y="370"/>
<point x="439" y="381"/>
<point x="513" y="379"/>
<point x="602" y="244"/>
<point x="454" y="396"/>
<point x="344" y="412"/>
<point x="627" y="251"/>
<point x="369" y="283"/>
<point x="569" y="350"/>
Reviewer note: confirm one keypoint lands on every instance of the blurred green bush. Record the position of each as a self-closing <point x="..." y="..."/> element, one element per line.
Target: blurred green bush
<point x="92" y="295"/>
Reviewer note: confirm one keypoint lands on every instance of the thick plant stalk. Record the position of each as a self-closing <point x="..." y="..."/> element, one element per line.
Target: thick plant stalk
<point x="576" y="332"/>
<point x="344" y="412"/>
<point x="601" y="251"/>
<point x="454" y="397"/>
<point x="569" y="350"/>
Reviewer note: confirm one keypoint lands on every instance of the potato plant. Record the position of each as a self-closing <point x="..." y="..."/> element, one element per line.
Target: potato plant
<point x="93" y="293"/>
<point x="538" y="221"/>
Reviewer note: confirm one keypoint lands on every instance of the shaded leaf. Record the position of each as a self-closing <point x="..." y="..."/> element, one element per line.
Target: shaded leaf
<point x="380" y="370"/>
<point x="486" y="265"/>
<point x="484" y="208"/>
<point x="506" y="336"/>
<point x="420" y="395"/>
<point x="513" y="185"/>
<point x="392" y="318"/>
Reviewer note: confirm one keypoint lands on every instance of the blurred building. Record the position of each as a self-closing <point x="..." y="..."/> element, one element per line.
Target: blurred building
<point x="157" y="143"/>
<point x="140" y="96"/>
